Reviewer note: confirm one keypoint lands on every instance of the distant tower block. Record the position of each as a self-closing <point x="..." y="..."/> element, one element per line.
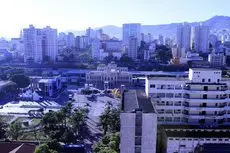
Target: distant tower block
<point x="106" y="85"/>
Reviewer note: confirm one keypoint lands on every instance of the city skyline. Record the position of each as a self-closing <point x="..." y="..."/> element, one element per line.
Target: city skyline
<point x="79" y="15"/>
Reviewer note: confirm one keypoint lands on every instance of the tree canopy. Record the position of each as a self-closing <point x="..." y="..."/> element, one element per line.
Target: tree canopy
<point x="66" y="125"/>
<point x="108" y="144"/>
<point x="21" y="80"/>
<point x="163" y="54"/>
<point x="15" y="130"/>
<point x="110" y="119"/>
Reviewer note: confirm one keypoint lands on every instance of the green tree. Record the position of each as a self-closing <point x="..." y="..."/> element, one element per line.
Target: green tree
<point x="108" y="144"/>
<point x="21" y="80"/>
<point x="163" y="54"/>
<point x="105" y="119"/>
<point x="110" y="119"/>
<point x="78" y="122"/>
<point x="44" y="148"/>
<point x="54" y="145"/>
<point x="15" y="130"/>
<point x="3" y="127"/>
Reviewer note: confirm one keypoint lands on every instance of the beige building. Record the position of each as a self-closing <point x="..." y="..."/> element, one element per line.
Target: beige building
<point x="110" y="76"/>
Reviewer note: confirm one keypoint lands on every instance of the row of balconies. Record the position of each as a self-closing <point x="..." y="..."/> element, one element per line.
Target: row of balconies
<point x="186" y="104"/>
<point x="187" y="96"/>
<point x="205" y="88"/>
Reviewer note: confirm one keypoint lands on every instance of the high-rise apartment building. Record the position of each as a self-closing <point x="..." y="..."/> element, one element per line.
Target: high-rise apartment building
<point x="161" y="40"/>
<point x="96" y="46"/>
<point x="39" y="44"/>
<point x="70" y="42"/>
<point x="132" y="48"/>
<point x="138" y="123"/>
<point x="131" y="30"/>
<point x="184" y="39"/>
<point x="201" y="99"/>
<point x="49" y="43"/>
<point x="33" y="44"/>
<point x="201" y="38"/>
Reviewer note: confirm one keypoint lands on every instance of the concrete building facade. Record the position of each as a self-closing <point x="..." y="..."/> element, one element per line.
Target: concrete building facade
<point x="201" y="38"/>
<point x="138" y="123"/>
<point x="131" y="30"/>
<point x="201" y="99"/>
<point x="184" y="39"/>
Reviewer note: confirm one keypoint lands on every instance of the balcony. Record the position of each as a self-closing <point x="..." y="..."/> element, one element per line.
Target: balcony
<point x="208" y="100"/>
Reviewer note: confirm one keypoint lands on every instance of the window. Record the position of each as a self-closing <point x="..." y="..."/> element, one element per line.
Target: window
<point x="218" y="80"/>
<point x="205" y="88"/>
<point x="203" y="80"/>
<point x="152" y="85"/>
<point x="209" y="80"/>
<point x="217" y="88"/>
<point x="205" y="96"/>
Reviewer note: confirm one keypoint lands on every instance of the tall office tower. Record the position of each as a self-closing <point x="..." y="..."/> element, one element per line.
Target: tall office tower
<point x="32" y="44"/>
<point x="77" y="41"/>
<point x="149" y="37"/>
<point x="201" y="38"/>
<point x="70" y="40"/>
<point x="99" y="33"/>
<point x="138" y="123"/>
<point x="49" y="43"/>
<point x="62" y="36"/>
<point x="96" y="45"/>
<point x="132" y="48"/>
<point x="142" y="37"/>
<point x="213" y="39"/>
<point x="90" y="34"/>
<point x="131" y="30"/>
<point x="184" y="39"/>
<point x="161" y="40"/>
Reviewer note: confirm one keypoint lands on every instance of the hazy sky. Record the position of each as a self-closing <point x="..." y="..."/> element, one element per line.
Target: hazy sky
<point x="80" y="14"/>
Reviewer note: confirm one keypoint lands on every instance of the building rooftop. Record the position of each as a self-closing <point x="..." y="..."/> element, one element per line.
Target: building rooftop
<point x="169" y="78"/>
<point x="196" y="131"/>
<point x="46" y="81"/>
<point x="205" y="69"/>
<point x="136" y="100"/>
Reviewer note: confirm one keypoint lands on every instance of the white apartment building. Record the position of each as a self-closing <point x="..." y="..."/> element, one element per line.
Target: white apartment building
<point x="138" y="130"/>
<point x="96" y="46"/>
<point x="39" y="43"/>
<point x="111" y="74"/>
<point x="217" y="60"/>
<point x="182" y="140"/>
<point x="33" y="44"/>
<point x="161" y="40"/>
<point x="184" y="38"/>
<point x="201" y="39"/>
<point x="201" y="99"/>
<point x="132" y="48"/>
<point x="112" y="45"/>
<point x="50" y="46"/>
<point x="70" y="42"/>
<point x="131" y="30"/>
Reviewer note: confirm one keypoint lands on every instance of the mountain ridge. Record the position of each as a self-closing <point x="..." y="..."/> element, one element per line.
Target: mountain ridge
<point x="216" y="23"/>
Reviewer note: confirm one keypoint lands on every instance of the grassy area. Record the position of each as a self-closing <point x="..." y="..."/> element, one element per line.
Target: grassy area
<point x="30" y="136"/>
<point x="20" y="119"/>
<point x="35" y="122"/>
<point x="6" y="118"/>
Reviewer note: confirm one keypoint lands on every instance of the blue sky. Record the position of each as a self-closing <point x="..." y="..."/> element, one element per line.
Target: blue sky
<point x="80" y="14"/>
